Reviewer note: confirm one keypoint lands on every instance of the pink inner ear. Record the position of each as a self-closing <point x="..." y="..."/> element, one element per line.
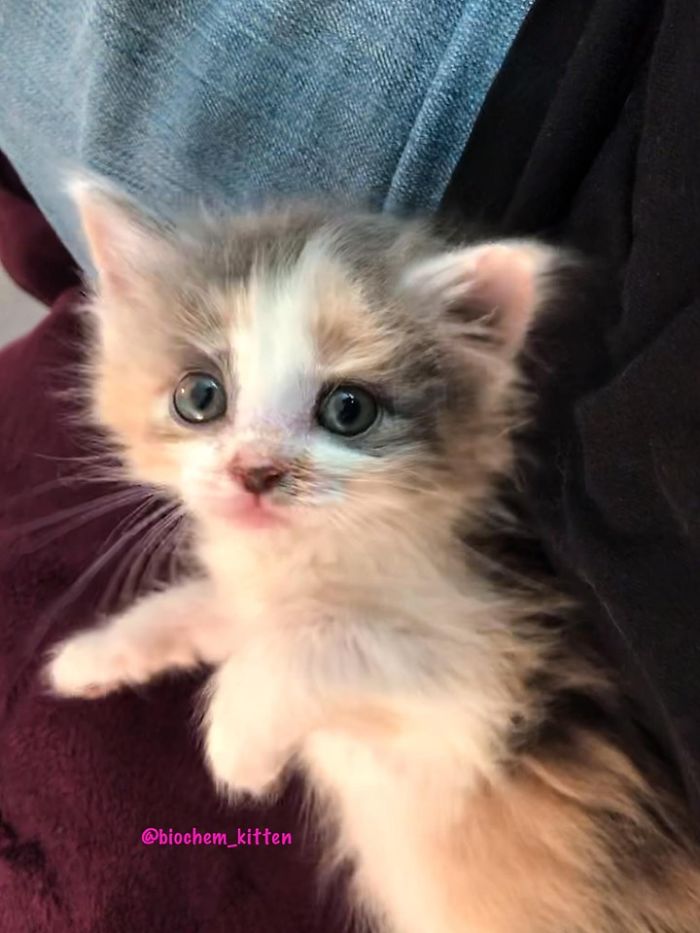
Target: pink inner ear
<point x="119" y="243"/>
<point x="103" y="238"/>
<point x="505" y="279"/>
<point x="496" y="282"/>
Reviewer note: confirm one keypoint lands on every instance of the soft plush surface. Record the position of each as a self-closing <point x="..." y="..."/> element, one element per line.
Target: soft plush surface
<point x="590" y="132"/>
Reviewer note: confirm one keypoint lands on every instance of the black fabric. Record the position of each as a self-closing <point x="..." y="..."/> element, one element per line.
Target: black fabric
<point x="591" y="134"/>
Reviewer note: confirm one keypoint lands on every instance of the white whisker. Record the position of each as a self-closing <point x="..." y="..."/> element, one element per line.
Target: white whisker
<point x="115" y="591"/>
<point x="81" y="514"/>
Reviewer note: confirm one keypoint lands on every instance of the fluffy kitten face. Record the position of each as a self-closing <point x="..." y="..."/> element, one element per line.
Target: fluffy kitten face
<point x="304" y="367"/>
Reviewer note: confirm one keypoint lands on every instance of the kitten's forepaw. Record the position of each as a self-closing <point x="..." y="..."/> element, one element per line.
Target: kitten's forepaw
<point x="87" y="665"/>
<point x="240" y="769"/>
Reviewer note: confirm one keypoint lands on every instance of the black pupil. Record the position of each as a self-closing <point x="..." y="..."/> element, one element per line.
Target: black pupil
<point x="202" y="394"/>
<point x="347" y="408"/>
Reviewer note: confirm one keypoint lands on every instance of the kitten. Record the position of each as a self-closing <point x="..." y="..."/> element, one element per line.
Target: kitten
<point x="332" y="397"/>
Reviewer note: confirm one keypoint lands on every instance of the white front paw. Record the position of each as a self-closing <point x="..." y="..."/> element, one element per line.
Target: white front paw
<point x="91" y="665"/>
<point x="239" y="767"/>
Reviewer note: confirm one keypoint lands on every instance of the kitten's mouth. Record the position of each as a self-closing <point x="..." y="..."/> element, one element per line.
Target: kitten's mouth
<point x="252" y="511"/>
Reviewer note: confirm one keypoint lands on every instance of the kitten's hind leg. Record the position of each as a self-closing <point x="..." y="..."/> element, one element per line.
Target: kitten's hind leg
<point x="176" y="628"/>
<point x="247" y="735"/>
<point x="257" y="710"/>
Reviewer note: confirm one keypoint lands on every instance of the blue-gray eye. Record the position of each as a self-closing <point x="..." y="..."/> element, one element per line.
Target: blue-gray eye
<point x="198" y="398"/>
<point x="348" y="410"/>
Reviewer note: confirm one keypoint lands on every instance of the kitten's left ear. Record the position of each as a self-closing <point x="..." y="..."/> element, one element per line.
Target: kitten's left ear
<point x="493" y="289"/>
<point x="123" y="241"/>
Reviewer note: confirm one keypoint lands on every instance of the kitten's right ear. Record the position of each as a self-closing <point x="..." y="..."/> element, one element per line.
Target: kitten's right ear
<point x="123" y="242"/>
<point x="493" y="289"/>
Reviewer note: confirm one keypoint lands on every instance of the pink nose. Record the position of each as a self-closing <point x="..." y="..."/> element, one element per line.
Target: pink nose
<point x="259" y="479"/>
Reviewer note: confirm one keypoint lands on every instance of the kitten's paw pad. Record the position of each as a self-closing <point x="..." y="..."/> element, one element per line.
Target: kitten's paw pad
<point x="241" y="769"/>
<point x="88" y="666"/>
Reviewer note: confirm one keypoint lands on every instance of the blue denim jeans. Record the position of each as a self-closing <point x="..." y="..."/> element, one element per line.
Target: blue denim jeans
<point x="245" y="99"/>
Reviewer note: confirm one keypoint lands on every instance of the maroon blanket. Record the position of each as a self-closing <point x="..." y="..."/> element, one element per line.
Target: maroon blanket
<point x="81" y="781"/>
